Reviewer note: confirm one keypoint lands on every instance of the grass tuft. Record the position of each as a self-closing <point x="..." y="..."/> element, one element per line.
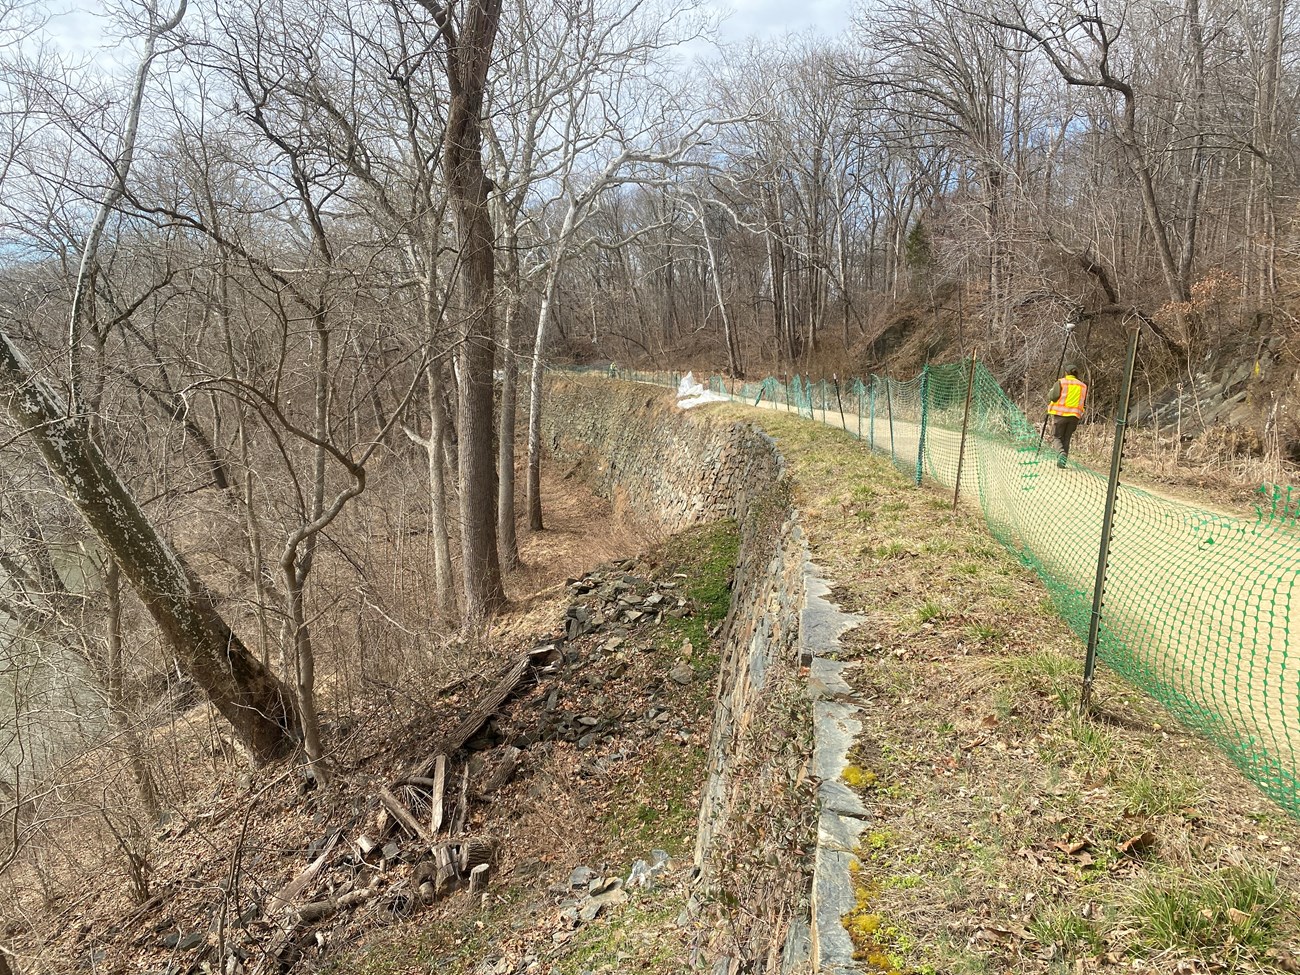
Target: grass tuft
<point x="1231" y="913"/>
<point x="1149" y="790"/>
<point x="930" y="611"/>
<point x="1066" y="932"/>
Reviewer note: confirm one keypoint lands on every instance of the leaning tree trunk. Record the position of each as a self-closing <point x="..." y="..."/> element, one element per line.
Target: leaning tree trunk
<point x="258" y="707"/>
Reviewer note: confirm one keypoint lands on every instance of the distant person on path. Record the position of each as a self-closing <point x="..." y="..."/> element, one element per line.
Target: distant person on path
<point x="1067" y="409"/>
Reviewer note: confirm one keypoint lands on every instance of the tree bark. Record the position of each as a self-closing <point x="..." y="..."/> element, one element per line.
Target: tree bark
<point x="533" y="486"/>
<point x="728" y="336"/>
<point x="444" y="578"/>
<point x="258" y="707"/>
<point x="145" y="786"/>
<point x="469" y="56"/>
<point x="507" y="542"/>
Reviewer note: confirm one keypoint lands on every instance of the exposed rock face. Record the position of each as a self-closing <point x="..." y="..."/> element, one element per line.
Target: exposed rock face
<point x="1244" y="397"/>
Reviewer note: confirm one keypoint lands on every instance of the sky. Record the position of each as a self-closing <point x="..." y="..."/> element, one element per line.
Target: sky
<point x="773" y="18"/>
<point x="74" y="26"/>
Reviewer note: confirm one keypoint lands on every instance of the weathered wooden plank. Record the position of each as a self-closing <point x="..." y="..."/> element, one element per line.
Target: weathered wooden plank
<point x="403" y="815"/>
<point x="435" y="795"/>
<point x="286" y="895"/>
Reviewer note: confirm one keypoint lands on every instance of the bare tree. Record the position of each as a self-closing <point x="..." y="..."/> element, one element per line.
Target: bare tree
<point x="467" y="42"/>
<point x="259" y="709"/>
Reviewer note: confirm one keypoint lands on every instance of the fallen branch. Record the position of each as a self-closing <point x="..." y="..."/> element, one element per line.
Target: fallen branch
<point x="397" y="809"/>
<point x="487" y="707"/>
<point x="285" y="896"/>
<point x="321" y="910"/>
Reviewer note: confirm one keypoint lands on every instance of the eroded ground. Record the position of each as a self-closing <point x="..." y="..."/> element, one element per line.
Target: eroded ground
<point x="611" y="729"/>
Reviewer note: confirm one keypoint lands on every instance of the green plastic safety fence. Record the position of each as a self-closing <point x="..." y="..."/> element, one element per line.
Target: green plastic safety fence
<point x="1199" y="604"/>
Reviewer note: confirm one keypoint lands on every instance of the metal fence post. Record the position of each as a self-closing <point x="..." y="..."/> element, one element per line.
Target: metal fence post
<point x="965" y="423"/>
<point x="889" y="404"/>
<point x="872" y="426"/>
<point x="920" y="439"/>
<point x="1107" y="519"/>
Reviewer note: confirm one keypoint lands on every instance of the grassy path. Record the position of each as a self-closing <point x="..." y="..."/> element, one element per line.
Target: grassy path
<point x="1199" y="605"/>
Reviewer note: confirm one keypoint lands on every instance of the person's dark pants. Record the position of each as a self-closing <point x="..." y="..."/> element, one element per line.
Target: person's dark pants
<point x="1063" y="430"/>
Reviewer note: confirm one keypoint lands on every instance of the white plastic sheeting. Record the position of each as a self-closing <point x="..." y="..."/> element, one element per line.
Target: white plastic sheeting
<point x="690" y="393"/>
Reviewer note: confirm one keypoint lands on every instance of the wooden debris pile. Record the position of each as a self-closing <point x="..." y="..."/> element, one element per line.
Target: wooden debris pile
<point x="423" y="817"/>
<point x="412" y="843"/>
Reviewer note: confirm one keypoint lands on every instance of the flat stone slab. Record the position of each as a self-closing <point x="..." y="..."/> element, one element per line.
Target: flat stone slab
<point x="842" y="816"/>
<point x="833" y="895"/>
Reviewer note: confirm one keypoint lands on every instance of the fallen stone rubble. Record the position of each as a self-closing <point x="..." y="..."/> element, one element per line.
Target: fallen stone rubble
<point x="412" y="846"/>
<point x="585" y="896"/>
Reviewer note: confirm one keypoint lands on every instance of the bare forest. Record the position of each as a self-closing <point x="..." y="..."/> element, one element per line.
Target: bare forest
<point x="280" y="280"/>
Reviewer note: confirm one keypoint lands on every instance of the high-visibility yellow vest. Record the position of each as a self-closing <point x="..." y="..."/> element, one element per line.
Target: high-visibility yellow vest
<point x="1074" y="394"/>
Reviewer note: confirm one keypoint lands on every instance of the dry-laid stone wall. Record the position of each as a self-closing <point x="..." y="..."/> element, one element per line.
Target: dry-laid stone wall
<point x="770" y="787"/>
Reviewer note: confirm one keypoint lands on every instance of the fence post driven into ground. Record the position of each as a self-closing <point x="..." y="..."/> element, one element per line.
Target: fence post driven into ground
<point x="872" y="426"/>
<point x="920" y="438"/>
<point x="965" y="425"/>
<point x="1107" y="518"/>
<point x="889" y="403"/>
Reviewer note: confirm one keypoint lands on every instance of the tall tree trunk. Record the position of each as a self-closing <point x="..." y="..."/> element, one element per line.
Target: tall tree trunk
<point x="444" y="578"/>
<point x="1141" y="169"/>
<point x="1194" y="101"/>
<point x="145" y="786"/>
<point x="1264" y="164"/>
<point x="507" y="543"/>
<point x="299" y="553"/>
<point x="258" y="707"/>
<point x="728" y="335"/>
<point x="469" y="56"/>
<point x="534" y="483"/>
<point x="84" y="288"/>
<point x="253" y="534"/>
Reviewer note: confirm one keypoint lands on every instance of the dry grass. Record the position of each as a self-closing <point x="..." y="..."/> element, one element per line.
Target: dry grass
<point x="384" y="659"/>
<point x="1210" y="472"/>
<point x="1009" y="833"/>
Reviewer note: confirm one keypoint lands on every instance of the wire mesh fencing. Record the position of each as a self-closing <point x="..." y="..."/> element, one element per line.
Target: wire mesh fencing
<point x="1198" y="604"/>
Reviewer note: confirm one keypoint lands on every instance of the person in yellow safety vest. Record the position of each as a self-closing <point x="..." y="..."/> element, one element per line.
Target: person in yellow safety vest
<point x="1067" y="409"/>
